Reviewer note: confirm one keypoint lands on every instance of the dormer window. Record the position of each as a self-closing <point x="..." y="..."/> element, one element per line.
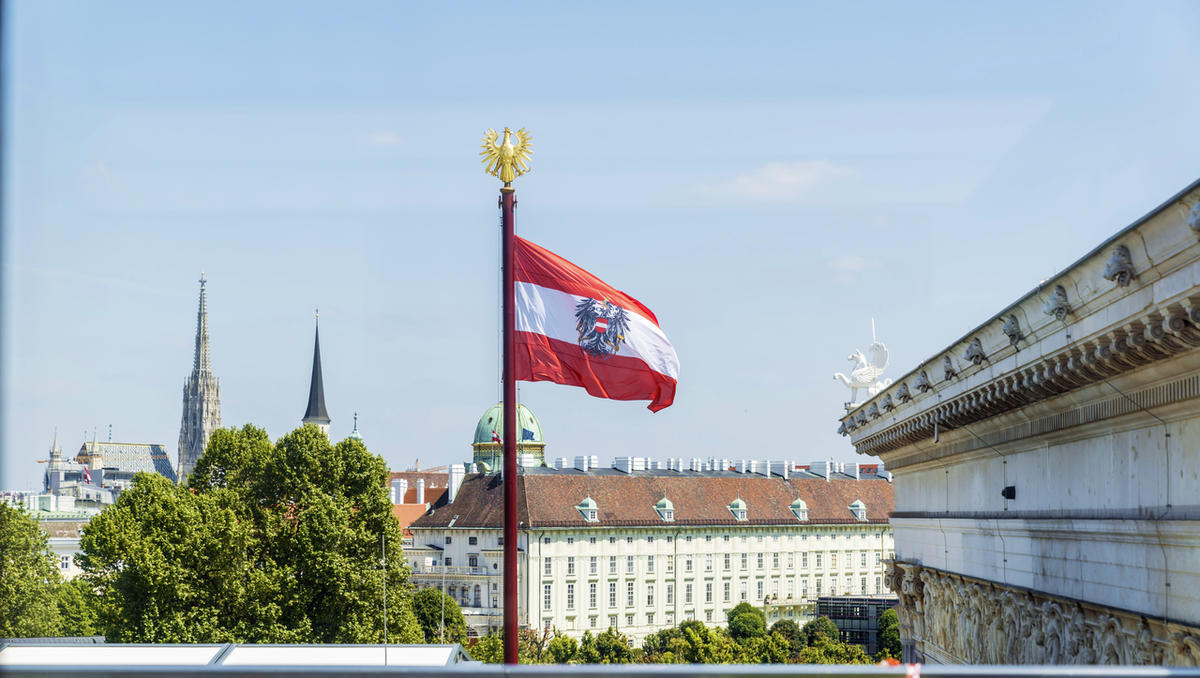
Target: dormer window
<point x="587" y="508"/>
<point x="665" y="510"/>
<point x="859" y="510"/>
<point x="738" y="509"/>
<point x="799" y="509"/>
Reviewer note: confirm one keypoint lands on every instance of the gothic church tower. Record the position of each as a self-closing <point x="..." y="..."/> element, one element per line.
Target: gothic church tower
<point x="201" y="399"/>
<point x="315" y="412"/>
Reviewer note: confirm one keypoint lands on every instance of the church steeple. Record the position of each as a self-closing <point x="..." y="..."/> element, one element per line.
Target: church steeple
<point x="316" y="414"/>
<point x="201" y="397"/>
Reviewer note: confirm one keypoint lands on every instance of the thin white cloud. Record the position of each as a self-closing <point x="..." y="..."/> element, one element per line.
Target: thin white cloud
<point x="781" y="181"/>
<point x="384" y="139"/>
<point x="847" y="267"/>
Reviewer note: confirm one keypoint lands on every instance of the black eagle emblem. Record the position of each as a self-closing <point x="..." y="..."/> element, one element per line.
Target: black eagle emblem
<point x="602" y="326"/>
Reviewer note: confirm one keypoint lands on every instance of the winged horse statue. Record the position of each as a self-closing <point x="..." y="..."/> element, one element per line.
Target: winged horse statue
<point x="866" y="372"/>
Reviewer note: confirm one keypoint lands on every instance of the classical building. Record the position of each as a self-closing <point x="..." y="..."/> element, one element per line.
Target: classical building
<point x="201" y="398"/>
<point x="643" y="546"/>
<point x="315" y="412"/>
<point x="1047" y="495"/>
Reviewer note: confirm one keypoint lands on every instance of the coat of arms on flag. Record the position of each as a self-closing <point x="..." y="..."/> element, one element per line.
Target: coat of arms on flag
<point x="602" y="326"/>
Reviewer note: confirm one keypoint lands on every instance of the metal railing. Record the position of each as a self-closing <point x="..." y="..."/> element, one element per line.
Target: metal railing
<point x="609" y="670"/>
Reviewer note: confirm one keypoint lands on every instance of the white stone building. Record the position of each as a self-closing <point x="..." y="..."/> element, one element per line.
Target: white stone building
<point x="1047" y="493"/>
<point x="640" y="548"/>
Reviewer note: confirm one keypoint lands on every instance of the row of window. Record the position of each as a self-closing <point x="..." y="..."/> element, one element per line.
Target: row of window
<point x="474" y="541"/>
<point x="630" y="594"/>
<point x="689" y="563"/>
<point x="708" y="537"/>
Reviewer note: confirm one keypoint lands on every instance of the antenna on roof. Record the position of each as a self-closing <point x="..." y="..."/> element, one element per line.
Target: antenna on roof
<point x="872" y="330"/>
<point x="110" y="433"/>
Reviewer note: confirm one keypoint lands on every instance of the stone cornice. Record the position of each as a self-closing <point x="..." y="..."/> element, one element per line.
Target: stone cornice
<point x="1131" y="302"/>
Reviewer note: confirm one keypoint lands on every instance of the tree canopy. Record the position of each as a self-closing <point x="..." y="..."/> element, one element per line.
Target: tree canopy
<point x="29" y="579"/>
<point x="821" y="626"/>
<point x="267" y="542"/>
<point x="889" y="635"/>
<point x="433" y="608"/>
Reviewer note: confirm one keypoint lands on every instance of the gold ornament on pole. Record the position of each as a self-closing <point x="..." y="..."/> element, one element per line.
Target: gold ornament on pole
<point x="504" y="159"/>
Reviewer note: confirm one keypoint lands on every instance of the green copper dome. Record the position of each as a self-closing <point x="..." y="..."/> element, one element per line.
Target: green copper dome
<point x="737" y="504"/>
<point x="800" y="504"/>
<point x="528" y="428"/>
<point x="664" y="504"/>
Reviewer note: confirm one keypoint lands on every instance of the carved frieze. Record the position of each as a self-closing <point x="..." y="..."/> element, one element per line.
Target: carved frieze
<point x="1057" y="304"/>
<point x="958" y="618"/>
<point x="886" y="404"/>
<point x="903" y="394"/>
<point x="948" y="368"/>
<point x="1012" y="329"/>
<point x="1120" y="267"/>
<point x="1194" y="218"/>
<point x="974" y="352"/>
<point x="873" y="411"/>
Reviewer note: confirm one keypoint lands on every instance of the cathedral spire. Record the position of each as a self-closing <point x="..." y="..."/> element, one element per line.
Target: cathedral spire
<point x="315" y="414"/>
<point x="201" y="360"/>
<point x="201" y="396"/>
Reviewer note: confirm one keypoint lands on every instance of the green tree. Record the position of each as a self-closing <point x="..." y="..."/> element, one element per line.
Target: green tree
<point x="77" y="604"/>
<point x="825" y="650"/>
<point x="791" y="633"/>
<point x="588" y="654"/>
<point x="28" y="577"/>
<point x="562" y="648"/>
<point x="431" y="607"/>
<point x="613" y="647"/>
<point x="268" y="543"/>
<point x="707" y="645"/>
<point x="744" y="608"/>
<point x="488" y="649"/>
<point x="766" y="649"/>
<point x="889" y="635"/>
<point x="821" y="626"/>
<point x="747" y="625"/>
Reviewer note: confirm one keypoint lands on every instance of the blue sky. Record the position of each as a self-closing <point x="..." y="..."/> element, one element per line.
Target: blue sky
<point x="766" y="177"/>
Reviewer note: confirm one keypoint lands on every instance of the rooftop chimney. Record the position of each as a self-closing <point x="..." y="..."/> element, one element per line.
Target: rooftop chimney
<point x="457" y="473"/>
<point x="581" y="463"/>
<point x="420" y="490"/>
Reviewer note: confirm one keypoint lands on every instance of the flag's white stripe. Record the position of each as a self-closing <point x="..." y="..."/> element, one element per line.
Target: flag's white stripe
<point x="551" y="312"/>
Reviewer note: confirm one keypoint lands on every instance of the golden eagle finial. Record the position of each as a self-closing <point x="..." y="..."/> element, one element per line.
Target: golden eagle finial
<point x="505" y="159"/>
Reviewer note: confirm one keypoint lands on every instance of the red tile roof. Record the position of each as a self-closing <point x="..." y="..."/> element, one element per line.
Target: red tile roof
<point x="548" y="499"/>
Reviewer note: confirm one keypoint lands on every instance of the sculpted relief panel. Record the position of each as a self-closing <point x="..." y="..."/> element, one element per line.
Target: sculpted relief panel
<point x="949" y="618"/>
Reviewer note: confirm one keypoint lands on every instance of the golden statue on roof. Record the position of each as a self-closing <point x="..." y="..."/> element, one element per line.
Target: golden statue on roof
<point x="504" y="159"/>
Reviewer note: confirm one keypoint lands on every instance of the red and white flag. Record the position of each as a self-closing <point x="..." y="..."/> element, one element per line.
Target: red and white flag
<point x="572" y="328"/>
<point x="87" y="475"/>
<point x="496" y="437"/>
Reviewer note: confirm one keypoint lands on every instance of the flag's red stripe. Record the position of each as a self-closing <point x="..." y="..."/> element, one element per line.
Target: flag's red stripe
<point x="540" y="358"/>
<point x="540" y="266"/>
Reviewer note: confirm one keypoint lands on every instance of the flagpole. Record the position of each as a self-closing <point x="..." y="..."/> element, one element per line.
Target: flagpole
<point x="507" y="205"/>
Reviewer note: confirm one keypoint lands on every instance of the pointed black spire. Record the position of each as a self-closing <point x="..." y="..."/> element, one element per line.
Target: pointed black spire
<point x="315" y="414"/>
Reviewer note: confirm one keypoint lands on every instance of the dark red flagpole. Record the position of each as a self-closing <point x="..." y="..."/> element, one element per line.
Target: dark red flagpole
<point x="511" y="594"/>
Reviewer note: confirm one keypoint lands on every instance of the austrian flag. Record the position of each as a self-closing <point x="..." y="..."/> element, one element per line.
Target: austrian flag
<point x="572" y="328"/>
